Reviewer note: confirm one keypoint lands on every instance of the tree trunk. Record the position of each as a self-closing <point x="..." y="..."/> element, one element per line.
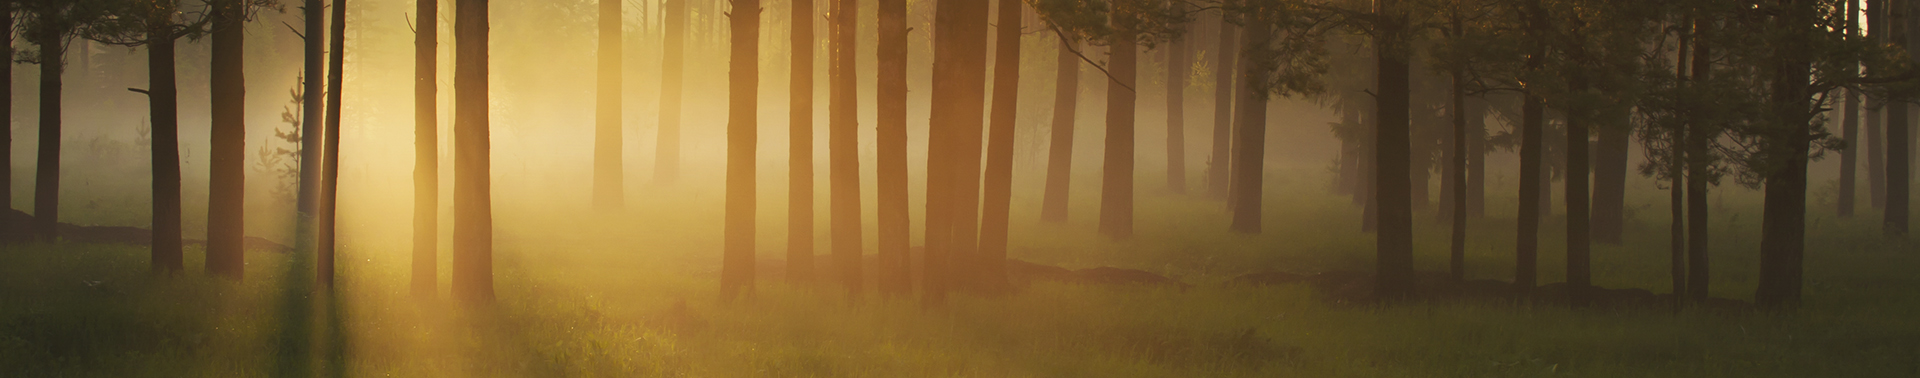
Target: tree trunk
<point x="1579" y="237"/>
<point x="330" y="169"/>
<point x="226" y="212"/>
<point x="743" y="83"/>
<point x="46" y="185"/>
<point x="1699" y="137"/>
<point x="1394" y="259"/>
<point x="7" y="228"/>
<point x="1217" y="175"/>
<point x="1477" y="158"/>
<point x="1457" y="178"/>
<point x="1610" y="178"/>
<point x="1876" y="153"/>
<point x="1053" y="205"/>
<point x="843" y="145"/>
<point x="1849" y="130"/>
<point x="1249" y="149"/>
<point x="1116" y="184"/>
<point x="426" y="149"/>
<point x="609" y="175"/>
<point x="800" y="148"/>
<point x="1676" y="180"/>
<point x="1532" y="178"/>
<point x="1899" y="144"/>
<point x="312" y="119"/>
<point x="1784" y="223"/>
<point x="990" y="267"/>
<point x="896" y="232"/>
<point x="959" y="83"/>
<point x="164" y="109"/>
<point x="667" y="153"/>
<point x="1178" y="65"/>
<point x="472" y="186"/>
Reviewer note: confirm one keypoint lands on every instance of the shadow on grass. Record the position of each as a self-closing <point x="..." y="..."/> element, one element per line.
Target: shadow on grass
<point x="312" y="333"/>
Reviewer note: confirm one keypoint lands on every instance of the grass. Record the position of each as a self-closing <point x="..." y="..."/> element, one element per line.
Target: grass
<point x="634" y="295"/>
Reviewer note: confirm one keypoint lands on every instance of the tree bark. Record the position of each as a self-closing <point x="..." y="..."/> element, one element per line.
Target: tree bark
<point x="1610" y="178"/>
<point x="959" y="81"/>
<point x="609" y="175"/>
<point x="226" y="222"/>
<point x="426" y="149"/>
<point x="1053" y="204"/>
<point x="1878" y="22"/>
<point x="1477" y="158"/>
<point x="1394" y="269"/>
<point x="1579" y="237"/>
<point x="1217" y="174"/>
<point x="1116" y="184"/>
<point x="472" y="186"/>
<point x="330" y="169"/>
<point x="7" y="228"/>
<point x="843" y="148"/>
<point x="990" y="267"/>
<point x="800" y="199"/>
<point x="164" y="110"/>
<point x="312" y="118"/>
<point x="1457" y="177"/>
<point x="896" y="232"/>
<point x="743" y="83"/>
<point x="1784" y="224"/>
<point x="1849" y="130"/>
<point x="1532" y="179"/>
<point x="1178" y="65"/>
<point x="1699" y="166"/>
<point x="1899" y="144"/>
<point x="667" y="153"/>
<point x="1249" y="138"/>
<point x="46" y="185"/>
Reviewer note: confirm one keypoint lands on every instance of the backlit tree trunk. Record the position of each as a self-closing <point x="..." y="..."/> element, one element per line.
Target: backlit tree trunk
<point x="891" y="160"/>
<point x="1178" y="65"/>
<point x="1250" y="136"/>
<point x="743" y="83"/>
<point x="1579" y="237"/>
<point x="1217" y="175"/>
<point x="46" y="183"/>
<point x="989" y="270"/>
<point x="472" y="186"/>
<point x="164" y="110"/>
<point x="959" y="83"/>
<point x="843" y="138"/>
<point x="1527" y="243"/>
<point x="330" y="169"/>
<point x="1699" y="138"/>
<point x="800" y="148"/>
<point x="1610" y="178"/>
<point x="226" y="222"/>
<point x="312" y="117"/>
<point x="1066" y="99"/>
<point x="426" y="149"/>
<point x="7" y="228"/>
<point x="1394" y="259"/>
<point x="1116" y="176"/>
<point x="1784" y="223"/>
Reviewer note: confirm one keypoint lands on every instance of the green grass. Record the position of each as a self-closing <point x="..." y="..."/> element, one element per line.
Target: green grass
<point x="599" y="296"/>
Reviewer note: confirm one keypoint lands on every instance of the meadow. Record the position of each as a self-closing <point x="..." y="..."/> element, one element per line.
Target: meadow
<point x="635" y="294"/>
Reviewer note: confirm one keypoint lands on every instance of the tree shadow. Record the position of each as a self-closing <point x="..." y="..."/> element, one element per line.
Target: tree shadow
<point x="311" y="330"/>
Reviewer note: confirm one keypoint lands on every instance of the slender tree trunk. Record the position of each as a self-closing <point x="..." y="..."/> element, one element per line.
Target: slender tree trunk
<point x="46" y="185"/>
<point x="1053" y="205"/>
<point x="226" y="222"/>
<point x="1610" y="178"/>
<point x="1116" y="184"/>
<point x="1217" y="174"/>
<point x="1532" y="179"/>
<point x="472" y="186"/>
<point x="959" y="85"/>
<point x="7" y="229"/>
<point x="1394" y="269"/>
<point x="1178" y="65"/>
<point x="312" y="118"/>
<point x="743" y="83"/>
<point x="163" y="100"/>
<point x="1699" y="136"/>
<point x="800" y="148"/>
<point x="1899" y="144"/>
<point x="330" y="169"/>
<point x="1849" y="128"/>
<point x="843" y="144"/>
<point x="609" y="175"/>
<point x="1676" y="179"/>
<point x="1579" y="233"/>
<point x="426" y="149"/>
<point x="1457" y="178"/>
<point x="667" y="154"/>
<point x="990" y="269"/>
<point x="891" y="161"/>
<point x="1476" y="158"/>
<point x="1249" y="150"/>
<point x="1878" y="22"/>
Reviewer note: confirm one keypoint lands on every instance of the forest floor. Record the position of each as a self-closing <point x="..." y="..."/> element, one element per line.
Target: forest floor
<point x="636" y="295"/>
